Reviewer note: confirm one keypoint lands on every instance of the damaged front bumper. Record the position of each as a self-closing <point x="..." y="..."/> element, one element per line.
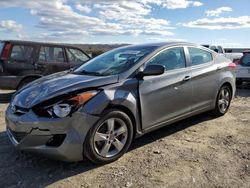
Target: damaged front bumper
<point x="58" y="138"/>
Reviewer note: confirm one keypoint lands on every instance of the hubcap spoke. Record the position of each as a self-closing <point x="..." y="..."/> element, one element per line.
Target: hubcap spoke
<point x="118" y="145"/>
<point x="223" y="93"/>
<point x="111" y="123"/>
<point x="221" y="102"/>
<point x="100" y="136"/>
<point x="120" y="131"/>
<point x="226" y="95"/>
<point x="105" y="149"/>
<point x="226" y="103"/>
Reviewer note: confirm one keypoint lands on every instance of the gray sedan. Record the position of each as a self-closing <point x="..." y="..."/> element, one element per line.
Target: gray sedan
<point x="97" y="109"/>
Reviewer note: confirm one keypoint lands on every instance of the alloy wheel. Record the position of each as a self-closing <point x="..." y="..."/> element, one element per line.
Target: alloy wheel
<point x="224" y="100"/>
<point x="110" y="137"/>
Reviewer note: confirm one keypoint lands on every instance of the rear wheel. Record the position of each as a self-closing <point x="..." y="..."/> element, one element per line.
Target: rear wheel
<point x="223" y="101"/>
<point x="110" y="138"/>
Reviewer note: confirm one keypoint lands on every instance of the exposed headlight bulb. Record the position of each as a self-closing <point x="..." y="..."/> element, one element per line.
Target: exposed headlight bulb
<point x="62" y="110"/>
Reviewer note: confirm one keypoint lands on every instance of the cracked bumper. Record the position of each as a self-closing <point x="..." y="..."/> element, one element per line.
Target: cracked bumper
<point x="31" y="133"/>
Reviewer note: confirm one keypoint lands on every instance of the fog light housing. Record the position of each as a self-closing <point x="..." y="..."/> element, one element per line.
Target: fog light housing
<point x="56" y="140"/>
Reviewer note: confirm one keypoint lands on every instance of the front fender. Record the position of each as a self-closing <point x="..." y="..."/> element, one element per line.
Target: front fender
<point x="111" y="98"/>
<point x="121" y="96"/>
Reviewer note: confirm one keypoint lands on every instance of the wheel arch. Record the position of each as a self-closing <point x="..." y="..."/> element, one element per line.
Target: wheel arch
<point x="126" y="111"/>
<point x="26" y="78"/>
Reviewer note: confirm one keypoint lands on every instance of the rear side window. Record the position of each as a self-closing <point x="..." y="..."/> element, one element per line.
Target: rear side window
<point x="51" y="54"/>
<point x="21" y="52"/>
<point x="172" y="58"/>
<point x="75" y="55"/>
<point x="246" y="60"/>
<point x="199" y="56"/>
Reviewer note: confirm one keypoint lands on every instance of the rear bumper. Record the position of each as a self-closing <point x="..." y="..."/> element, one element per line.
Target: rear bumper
<point x="31" y="133"/>
<point x="9" y="82"/>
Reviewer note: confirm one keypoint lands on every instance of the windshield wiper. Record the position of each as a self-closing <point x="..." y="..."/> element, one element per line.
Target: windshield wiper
<point x="91" y="73"/>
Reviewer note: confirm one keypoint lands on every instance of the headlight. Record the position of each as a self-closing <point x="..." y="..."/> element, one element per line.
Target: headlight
<point x="64" y="108"/>
<point x="61" y="110"/>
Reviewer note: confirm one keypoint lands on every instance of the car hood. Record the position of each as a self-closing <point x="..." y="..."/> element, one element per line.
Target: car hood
<point x="57" y="84"/>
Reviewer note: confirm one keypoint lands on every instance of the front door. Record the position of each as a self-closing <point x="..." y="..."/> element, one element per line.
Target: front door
<point x="168" y="96"/>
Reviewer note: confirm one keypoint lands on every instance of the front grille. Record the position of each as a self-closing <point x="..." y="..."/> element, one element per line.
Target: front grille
<point x="18" y="135"/>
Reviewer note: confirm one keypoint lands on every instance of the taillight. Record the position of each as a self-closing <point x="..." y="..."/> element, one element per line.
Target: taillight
<point x="5" y="53"/>
<point x="233" y="66"/>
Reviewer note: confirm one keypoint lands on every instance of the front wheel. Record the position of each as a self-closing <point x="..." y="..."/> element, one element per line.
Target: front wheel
<point x="223" y="101"/>
<point x="110" y="138"/>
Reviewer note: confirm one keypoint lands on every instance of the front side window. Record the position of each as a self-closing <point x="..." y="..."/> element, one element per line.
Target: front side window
<point x="21" y="52"/>
<point x="199" y="56"/>
<point x="75" y="55"/>
<point x="51" y="54"/>
<point x="246" y="60"/>
<point x="115" y="61"/>
<point x="173" y="58"/>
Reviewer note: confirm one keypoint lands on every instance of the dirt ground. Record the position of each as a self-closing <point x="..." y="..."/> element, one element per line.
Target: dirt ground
<point x="201" y="151"/>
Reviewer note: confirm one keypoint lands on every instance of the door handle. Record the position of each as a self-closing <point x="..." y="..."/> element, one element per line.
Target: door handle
<point x="187" y="78"/>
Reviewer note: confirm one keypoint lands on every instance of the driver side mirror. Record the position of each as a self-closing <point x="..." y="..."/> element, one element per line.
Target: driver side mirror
<point x="152" y="70"/>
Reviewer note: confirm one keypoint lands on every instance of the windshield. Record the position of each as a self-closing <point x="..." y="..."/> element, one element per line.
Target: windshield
<point x="115" y="61"/>
<point x="1" y="47"/>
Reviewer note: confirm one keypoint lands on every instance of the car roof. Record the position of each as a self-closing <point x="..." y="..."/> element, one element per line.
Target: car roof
<point x="164" y="44"/>
<point x="160" y="45"/>
<point x="39" y="43"/>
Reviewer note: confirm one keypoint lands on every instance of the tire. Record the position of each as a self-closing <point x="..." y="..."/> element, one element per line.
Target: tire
<point x="223" y="101"/>
<point x="104" y="144"/>
<point x="24" y="82"/>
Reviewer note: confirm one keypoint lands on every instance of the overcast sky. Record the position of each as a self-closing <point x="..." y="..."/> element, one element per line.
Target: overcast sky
<point x="225" y="22"/>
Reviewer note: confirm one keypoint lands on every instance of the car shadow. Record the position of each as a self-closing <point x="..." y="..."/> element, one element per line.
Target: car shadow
<point x="171" y="129"/>
<point x="22" y="169"/>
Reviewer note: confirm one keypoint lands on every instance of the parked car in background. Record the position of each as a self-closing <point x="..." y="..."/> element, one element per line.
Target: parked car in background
<point x="97" y="109"/>
<point x="22" y="62"/>
<point x="243" y="68"/>
<point x="233" y="56"/>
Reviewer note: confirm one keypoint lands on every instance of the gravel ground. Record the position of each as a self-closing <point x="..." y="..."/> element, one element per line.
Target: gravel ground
<point x="201" y="151"/>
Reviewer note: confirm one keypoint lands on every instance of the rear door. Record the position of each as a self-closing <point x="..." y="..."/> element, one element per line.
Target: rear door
<point x="51" y="59"/>
<point x="76" y="57"/>
<point x="168" y="96"/>
<point x="20" y="59"/>
<point x="205" y="77"/>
